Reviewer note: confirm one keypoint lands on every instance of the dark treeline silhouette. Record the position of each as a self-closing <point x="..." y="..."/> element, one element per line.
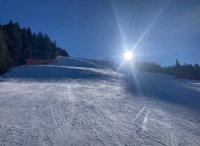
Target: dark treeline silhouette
<point x="186" y="71"/>
<point x="18" y="44"/>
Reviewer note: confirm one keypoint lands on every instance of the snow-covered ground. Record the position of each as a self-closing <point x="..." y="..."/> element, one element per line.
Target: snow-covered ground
<point x="75" y="102"/>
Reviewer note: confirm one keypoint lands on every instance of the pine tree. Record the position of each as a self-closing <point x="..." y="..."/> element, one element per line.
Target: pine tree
<point x="17" y="45"/>
<point x="26" y="37"/>
<point x="48" y="48"/>
<point x="29" y="41"/>
<point x="4" y="54"/>
<point x="177" y="68"/>
<point x="14" y="42"/>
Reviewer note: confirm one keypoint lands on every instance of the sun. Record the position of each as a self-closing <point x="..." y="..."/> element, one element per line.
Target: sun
<point x="128" y="55"/>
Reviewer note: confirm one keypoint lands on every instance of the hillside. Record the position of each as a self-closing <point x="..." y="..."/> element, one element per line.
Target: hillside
<point x="81" y="102"/>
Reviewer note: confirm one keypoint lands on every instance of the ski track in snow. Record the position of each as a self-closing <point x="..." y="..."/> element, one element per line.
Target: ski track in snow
<point x="94" y="111"/>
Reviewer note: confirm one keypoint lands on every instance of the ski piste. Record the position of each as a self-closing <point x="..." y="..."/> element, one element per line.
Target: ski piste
<point x="80" y="102"/>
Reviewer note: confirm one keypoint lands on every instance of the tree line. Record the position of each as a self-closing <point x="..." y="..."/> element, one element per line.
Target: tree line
<point x="188" y="71"/>
<point x="18" y="44"/>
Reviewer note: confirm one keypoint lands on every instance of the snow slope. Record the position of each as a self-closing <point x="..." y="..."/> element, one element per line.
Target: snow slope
<point x="65" y="68"/>
<point x="76" y="102"/>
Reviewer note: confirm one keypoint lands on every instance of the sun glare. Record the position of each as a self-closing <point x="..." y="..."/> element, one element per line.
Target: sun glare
<point x="128" y="55"/>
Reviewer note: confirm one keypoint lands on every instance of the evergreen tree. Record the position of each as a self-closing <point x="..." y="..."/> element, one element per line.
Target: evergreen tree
<point x="29" y="41"/>
<point x="177" y="68"/>
<point x="48" y="48"/>
<point x="196" y="70"/>
<point x="17" y="45"/>
<point x="14" y="42"/>
<point x="4" y="54"/>
<point x="26" y="46"/>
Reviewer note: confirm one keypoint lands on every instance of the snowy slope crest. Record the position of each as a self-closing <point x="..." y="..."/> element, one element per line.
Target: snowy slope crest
<point x="66" y="67"/>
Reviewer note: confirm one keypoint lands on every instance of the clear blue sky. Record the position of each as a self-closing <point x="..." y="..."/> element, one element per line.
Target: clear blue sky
<point x="156" y="30"/>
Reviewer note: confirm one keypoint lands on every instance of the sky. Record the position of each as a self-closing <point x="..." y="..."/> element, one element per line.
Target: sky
<point x="155" y="30"/>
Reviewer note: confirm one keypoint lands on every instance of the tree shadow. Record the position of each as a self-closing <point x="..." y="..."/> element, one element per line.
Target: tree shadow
<point x="163" y="88"/>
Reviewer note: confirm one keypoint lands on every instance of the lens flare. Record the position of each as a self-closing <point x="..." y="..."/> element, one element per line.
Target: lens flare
<point x="128" y="55"/>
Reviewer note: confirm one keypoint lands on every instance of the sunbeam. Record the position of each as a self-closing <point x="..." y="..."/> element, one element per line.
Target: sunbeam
<point x="152" y="23"/>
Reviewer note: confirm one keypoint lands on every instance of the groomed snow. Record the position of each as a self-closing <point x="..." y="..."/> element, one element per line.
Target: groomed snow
<point x="77" y="102"/>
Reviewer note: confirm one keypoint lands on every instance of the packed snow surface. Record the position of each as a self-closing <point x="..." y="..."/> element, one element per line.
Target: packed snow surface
<point x="77" y="102"/>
